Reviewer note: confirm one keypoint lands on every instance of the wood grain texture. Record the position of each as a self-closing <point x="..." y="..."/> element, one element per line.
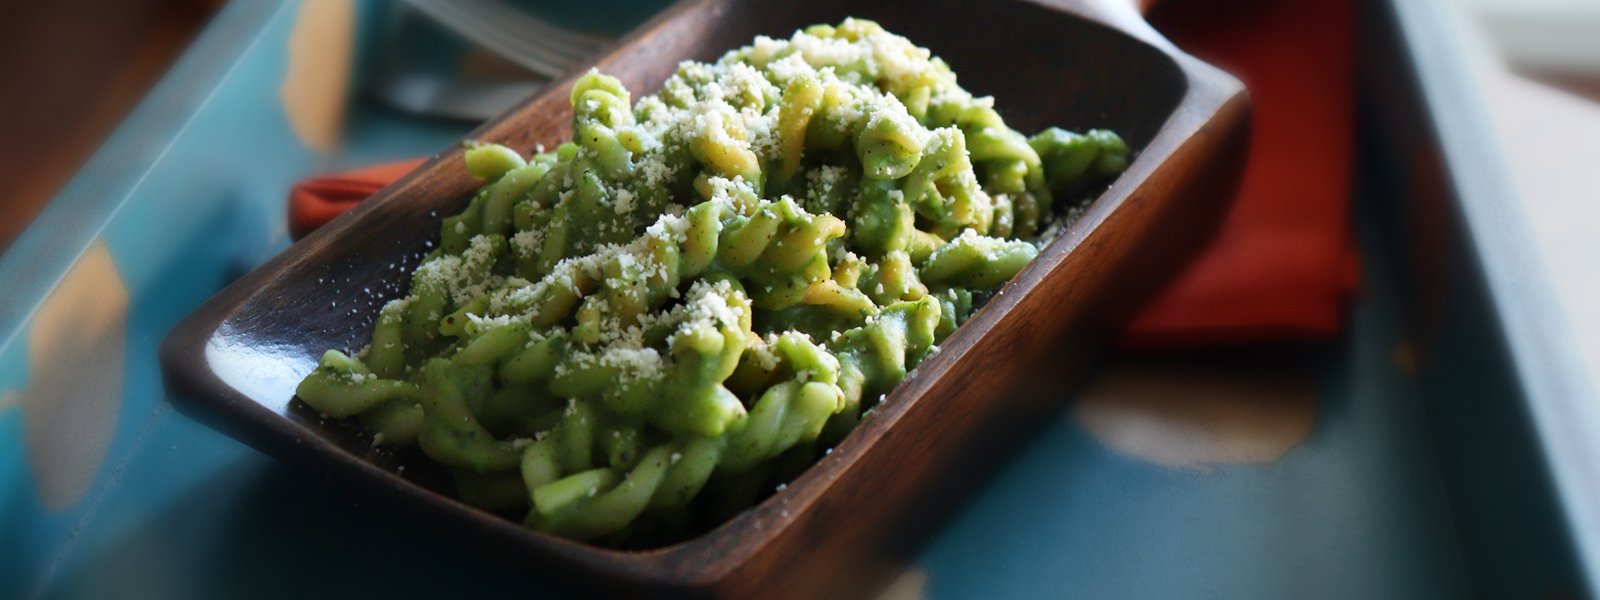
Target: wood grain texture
<point x="71" y="69"/>
<point x="834" y="530"/>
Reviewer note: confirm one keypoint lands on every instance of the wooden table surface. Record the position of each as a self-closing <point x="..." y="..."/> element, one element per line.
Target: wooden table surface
<point x="69" y="71"/>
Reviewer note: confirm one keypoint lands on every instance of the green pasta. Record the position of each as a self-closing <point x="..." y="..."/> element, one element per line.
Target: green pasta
<point x="643" y="330"/>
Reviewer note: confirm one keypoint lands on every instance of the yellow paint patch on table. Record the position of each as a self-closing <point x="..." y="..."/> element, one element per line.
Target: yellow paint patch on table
<point x="910" y="585"/>
<point x="315" y="86"/>
<point x="1198" y="416"/>
<point x="77" y="346"/>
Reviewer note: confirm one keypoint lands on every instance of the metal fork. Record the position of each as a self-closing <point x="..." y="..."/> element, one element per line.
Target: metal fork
<point x="544" y="49"/>
<point x="515" y="35"/>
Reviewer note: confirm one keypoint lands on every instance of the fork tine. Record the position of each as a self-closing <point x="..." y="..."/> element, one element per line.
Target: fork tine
<point x="546" y="46"/>
<point x="530" y="33"/>
<point x="527" y="47"/>
<point x="536" y="38"/>
<point x="548" y="49"/>
<point x="466" y="18"/>
<point x="533" y="26"/>
<point x="577" y="39"/>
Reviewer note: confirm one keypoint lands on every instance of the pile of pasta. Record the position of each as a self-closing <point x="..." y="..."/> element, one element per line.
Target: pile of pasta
<point x="648" y="328"/>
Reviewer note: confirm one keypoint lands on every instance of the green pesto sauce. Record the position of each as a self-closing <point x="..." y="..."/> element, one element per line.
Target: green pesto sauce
<point x="644" y="330"/>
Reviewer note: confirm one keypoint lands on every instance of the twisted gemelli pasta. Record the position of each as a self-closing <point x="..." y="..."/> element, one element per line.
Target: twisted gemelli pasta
<point x="648" y="327"/>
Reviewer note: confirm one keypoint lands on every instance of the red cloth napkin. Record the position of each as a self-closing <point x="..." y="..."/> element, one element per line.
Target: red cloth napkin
<point x="1282" y="265"/>
<point x="314" y="202"/>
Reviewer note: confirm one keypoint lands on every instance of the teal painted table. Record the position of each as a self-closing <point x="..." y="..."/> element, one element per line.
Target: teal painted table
<point x="117" y="496"/>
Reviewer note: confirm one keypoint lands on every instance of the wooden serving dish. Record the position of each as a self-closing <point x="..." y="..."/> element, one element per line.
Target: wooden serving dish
<point x="236" y="361"/>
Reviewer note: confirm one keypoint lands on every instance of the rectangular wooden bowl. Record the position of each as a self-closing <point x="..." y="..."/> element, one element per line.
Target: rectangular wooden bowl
<point x="235" y="362"/>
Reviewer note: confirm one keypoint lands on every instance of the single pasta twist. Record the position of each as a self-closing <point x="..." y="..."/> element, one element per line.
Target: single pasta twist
<point x="1073" y="160"/>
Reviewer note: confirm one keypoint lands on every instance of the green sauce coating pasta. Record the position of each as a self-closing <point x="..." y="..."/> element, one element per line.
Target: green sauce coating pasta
<point x="648" y="327"/>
